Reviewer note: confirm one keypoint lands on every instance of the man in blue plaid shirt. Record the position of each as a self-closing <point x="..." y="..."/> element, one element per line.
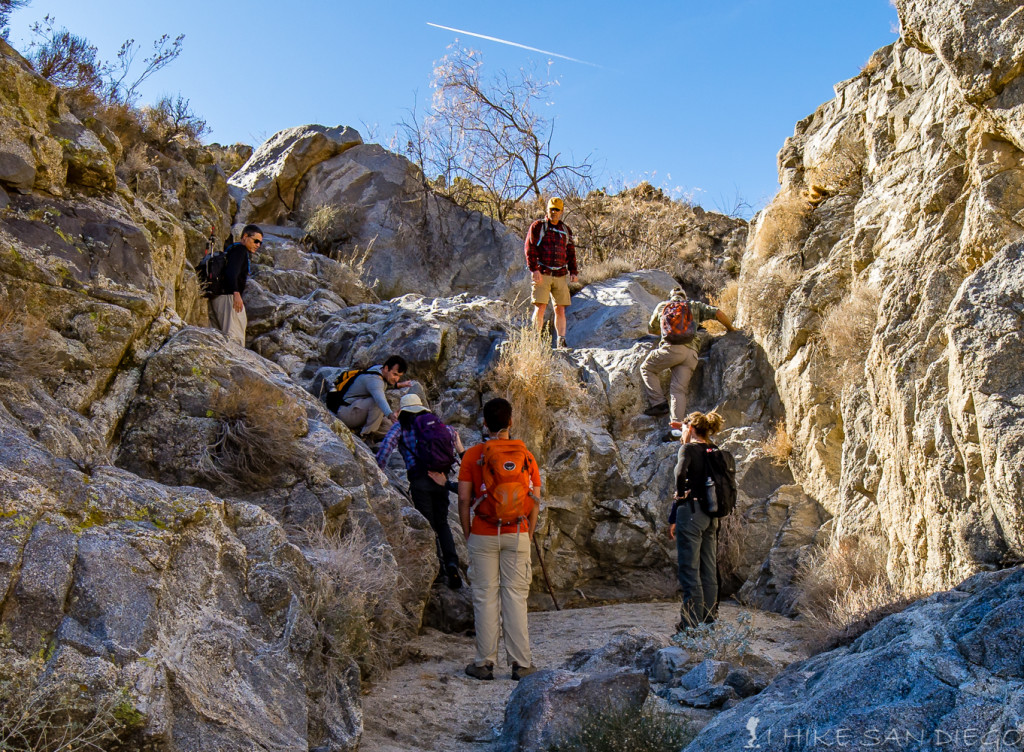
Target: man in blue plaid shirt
<point x="428" y="489"/>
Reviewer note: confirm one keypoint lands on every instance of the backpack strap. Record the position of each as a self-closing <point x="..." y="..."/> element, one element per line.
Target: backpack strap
<point x="344" y="390"/>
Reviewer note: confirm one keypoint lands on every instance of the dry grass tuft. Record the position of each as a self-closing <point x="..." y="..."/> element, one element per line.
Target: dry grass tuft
<point x="353" y="601"/>
<point x="625" y="730"/>
<point x="783" y="225"/>
<point x="259" y="425"/>
<point x="535" y="380"/>
<point x="25" y="349"/>
<point x="328" y="226"/>
<point x="778" y="447"/>
<point x="845" y="590"/>
<point x="766" y="294"/>
<point x="727" y="299"/>
<point x="45" y="712"/>
<point x="845" y="337"/>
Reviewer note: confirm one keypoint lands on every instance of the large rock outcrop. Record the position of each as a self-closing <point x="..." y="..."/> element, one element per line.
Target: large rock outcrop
<point x="944" y="674"/>
<point x="883" y="284"/>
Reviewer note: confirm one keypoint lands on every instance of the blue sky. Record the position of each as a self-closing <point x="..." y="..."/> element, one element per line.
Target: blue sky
<point x="696" y="97"/>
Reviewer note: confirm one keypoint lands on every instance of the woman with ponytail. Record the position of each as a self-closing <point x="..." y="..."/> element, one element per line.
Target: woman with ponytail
<point x="691" y="527"/>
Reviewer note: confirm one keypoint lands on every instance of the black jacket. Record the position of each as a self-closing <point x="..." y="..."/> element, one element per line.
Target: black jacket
<point x="236" y="270"/>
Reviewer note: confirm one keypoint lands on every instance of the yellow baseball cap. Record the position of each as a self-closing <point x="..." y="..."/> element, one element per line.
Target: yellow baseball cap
<point x="555" y="203"/>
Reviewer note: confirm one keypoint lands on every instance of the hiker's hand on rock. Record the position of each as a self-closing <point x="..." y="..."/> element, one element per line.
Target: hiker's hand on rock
<point x="537" y="277"/>
<point x="238" y="303"/>
<point x="403" y="384"/>
<point x="574" y="277"/>
<point x="672" y="531"/>
<point x="437" y="477"/>
<point x="394" y="417"/>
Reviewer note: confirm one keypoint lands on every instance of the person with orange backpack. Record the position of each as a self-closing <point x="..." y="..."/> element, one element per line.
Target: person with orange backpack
<point x="499" y="499"/>
<point x="678" y="321"/>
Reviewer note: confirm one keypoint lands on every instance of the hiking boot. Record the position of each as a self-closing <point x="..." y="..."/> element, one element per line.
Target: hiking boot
<point x="518" y="672"/>
<point x="657" y="410"/>
<point x="560" y="343"/>
<point x="485" y="672"/>
<point x="452" y="578"/>
<point x="672" y="436"/>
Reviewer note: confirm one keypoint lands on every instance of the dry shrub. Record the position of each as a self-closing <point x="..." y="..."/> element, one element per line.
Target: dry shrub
<point x="46" y="712"/>
<point x="25" y="349"/>
<point x="624" y="730"/>
<point x="733" y="543"/>
<point x="783" y="225"/>
<point x="844" y="590"/>
<point x="721" y="640"/>
<point x="256" y="437"/>
<point x="353" y="600"/>
<point x="327" y="226"/>
<point x="767" y="294"/>
<point x="537" y="382"/>
<point x="838" y="173"/>
<point x="778" y="446"/>
<point x="727" y="298"/>
<point x="602" y="270"/>
<point x="845" y="337"/>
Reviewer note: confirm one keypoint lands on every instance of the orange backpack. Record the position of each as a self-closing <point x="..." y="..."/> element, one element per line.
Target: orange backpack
<point x="507" y="480"/>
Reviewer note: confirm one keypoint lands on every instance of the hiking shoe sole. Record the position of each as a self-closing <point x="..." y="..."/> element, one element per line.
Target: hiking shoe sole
<point x="485" y="672"/>
<point x="655" y="411"/>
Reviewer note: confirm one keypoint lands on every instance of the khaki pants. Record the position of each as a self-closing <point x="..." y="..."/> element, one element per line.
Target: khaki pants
<point x="500" y="571"/>
<point x="231" y="323"/>
<point x="682" y="359"/>
<point x="364" y="417"/>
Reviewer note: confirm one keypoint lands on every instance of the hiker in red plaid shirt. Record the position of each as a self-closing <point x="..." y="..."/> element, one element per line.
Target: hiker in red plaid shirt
<point x="551" y="257"/>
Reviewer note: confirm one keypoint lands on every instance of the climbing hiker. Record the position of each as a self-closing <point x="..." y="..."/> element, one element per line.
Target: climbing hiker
<point x="227" y="310"/>
<point x="499" y="499"/>
<point x="429" y="448"/>
<point x="693" y="525"/>
<point x="364" y="405"/>
<point x="551" y="258"/>
<point x="678" y="321"/>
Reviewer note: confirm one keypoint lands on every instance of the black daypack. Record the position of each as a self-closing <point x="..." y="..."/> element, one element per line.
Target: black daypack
<point x="210" y="272"/>
<point x="719" y="498"/>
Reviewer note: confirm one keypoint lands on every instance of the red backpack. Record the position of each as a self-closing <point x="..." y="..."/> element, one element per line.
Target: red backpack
<point x="677" y="323"/>
<point x="507" y="480"/>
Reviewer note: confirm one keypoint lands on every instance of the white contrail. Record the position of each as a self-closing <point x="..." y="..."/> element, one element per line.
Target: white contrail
<point x="513" y="44"/>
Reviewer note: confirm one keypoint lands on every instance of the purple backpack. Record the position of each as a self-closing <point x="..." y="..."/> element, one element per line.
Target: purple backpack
<point x="435" y="445"/>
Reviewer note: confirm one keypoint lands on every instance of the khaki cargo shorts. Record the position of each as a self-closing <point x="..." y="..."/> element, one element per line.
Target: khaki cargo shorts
<point x="555" y="287"/>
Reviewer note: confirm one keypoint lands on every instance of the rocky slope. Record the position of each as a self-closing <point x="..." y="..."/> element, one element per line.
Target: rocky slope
<point x="883" y="283"/>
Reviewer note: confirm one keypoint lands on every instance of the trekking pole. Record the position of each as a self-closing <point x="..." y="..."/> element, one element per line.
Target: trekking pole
<point x="544" y="571"/>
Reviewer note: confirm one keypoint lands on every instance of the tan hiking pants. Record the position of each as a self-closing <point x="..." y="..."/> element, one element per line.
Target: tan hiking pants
<point x="230" y="322"/>
<point x="682" y="359"/>
<point x="500" y="571"/>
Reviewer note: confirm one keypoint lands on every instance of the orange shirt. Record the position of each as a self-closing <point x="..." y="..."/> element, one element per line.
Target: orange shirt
<point x="472" y="471"/>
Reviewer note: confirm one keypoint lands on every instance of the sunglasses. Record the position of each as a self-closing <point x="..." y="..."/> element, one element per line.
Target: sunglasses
<point x="257" y="243"/>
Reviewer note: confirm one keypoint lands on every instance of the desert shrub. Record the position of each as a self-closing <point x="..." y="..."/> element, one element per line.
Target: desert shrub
<point x="327" y="226"/>
<point x="733" y="543"/>
<point x="727" y="298"/>
<point x="534" y="379"/>
<point x="44" y="712"/>
<point x="778" y="447"/>
<point x="353" y="600"/>
<point x="783" y="225"/>
<point x="172" y="120"/>
<point x="844" y="590"/>
<point x="627" y="731"/>
<point x="845" y="337"/>
<point x="25" y="350"/>
<point x="721" y="640"/>
<point x="256" y="436"/>
<point x="767" y="292"/>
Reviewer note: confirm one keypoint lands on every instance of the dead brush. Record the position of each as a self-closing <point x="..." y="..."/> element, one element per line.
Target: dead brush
<point x="845" y="337"/>
<point x="845" y="590"/>
<point x="40" y="712"/>
<point x="257" y="433"/>
<point x="25" y="349"/>
<point x="783" y="225"/>
<point x="329" y="224"/>
<point x="353" y="599"/>
<point x="536" y="381"/>
<point x="778" y="447"/>
<point x="767" y="292"/>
